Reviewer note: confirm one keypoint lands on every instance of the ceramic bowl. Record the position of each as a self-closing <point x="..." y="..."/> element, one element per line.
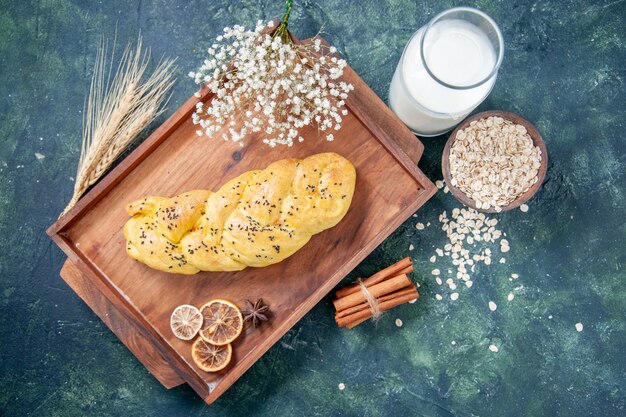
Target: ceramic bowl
<point x="537" y="140"/>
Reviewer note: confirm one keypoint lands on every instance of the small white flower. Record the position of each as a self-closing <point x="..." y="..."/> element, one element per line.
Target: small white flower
<point x="270" y="78"/>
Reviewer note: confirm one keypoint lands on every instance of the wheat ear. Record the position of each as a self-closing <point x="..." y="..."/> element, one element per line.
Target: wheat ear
<point x="117" y="110"/>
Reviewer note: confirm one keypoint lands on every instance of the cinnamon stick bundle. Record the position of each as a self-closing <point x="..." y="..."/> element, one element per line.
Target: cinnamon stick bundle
<point x="403" y="266"/>
<point x="382" y="291"/>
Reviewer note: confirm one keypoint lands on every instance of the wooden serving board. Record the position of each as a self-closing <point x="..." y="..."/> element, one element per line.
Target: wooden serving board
<point x="136" y="301"/>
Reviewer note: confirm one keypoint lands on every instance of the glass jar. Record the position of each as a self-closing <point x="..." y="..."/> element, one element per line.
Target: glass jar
<point x="447" y="69"/>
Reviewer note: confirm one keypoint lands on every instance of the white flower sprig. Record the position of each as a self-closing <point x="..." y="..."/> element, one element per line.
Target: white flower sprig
<point x="272" y="85"/>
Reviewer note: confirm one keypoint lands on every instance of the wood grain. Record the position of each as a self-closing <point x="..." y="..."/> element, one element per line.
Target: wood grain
<point x="137" y="344"/>
<point x="537" y="140"/>
<point x="123" y="328"/>
<point x="389" y="189"/>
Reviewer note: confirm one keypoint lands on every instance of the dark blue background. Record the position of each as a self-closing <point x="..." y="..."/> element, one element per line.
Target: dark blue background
<point x="564" y="69"/>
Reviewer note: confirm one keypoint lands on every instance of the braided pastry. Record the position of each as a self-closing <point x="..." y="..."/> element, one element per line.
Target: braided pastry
<point x="256" y="219"/>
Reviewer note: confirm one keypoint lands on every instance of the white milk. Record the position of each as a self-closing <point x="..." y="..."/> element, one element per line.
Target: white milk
<point x="457" y="53"/>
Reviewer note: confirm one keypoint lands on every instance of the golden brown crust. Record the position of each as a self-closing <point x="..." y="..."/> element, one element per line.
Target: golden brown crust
<point x="257" y="219"/>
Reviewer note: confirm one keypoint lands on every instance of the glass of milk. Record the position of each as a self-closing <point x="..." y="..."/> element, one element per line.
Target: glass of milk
<point x="448" y="67"/>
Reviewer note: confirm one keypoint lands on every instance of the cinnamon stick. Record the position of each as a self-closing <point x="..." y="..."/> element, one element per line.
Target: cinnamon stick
<point x="403" y="266"/>
<point x="366" y="306"/>
<point x="382" y="288"/>
<point x="356" y="318"/>
<point x="356" y="323"/>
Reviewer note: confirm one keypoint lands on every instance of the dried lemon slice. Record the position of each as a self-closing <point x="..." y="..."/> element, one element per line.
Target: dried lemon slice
<point x="185" y="322"/>
<point x="222" y="322"/>
<point x="210" y="358"/>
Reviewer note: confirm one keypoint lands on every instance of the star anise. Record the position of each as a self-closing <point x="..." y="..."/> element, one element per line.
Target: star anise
<point x="256" y="312"/>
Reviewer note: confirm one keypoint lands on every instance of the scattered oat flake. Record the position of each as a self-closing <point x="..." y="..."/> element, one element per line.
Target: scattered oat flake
<point x="439" y="184"/>
<point x="510" y="297"/>
<point x="514" y="276"/>
<point x="502" y="260"/>
<point x="436" y="272"/>
<point x="398" y="323"/>
<point x="454" y="296"/>
<point x="446" y="189"/>
<point x="341" y="386"/>
<point x="453" y="343"/>
<point x="439" y="281"/>
<point x="579" y="327"/>
<point x="39" y="156"/>
<point x="433" y="258"/>
<point x="415" y="215"/>
<point x="493" y="348"/>
<point x="438" y="297"/>
<point x="469" y="284"/>
<point x="523" y="208"/>
<point x="492" y="306"/>
<point x="419" y="226"/>
<point x="413" y="301"/>
<point x="411" y="247"/>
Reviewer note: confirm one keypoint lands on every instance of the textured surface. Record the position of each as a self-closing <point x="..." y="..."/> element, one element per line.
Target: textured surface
<point x="563" y="70"/>
<point x="290" y="215"/>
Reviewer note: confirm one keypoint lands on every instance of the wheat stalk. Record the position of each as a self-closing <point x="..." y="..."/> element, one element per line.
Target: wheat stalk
<point x="117" y="110"/>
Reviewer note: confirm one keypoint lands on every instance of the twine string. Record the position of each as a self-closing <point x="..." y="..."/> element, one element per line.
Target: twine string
<point x="371" y="300"/>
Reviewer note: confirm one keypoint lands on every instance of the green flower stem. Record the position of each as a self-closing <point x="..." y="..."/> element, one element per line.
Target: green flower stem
<point x="288" y="6"/>
<point x="282" y="28"/>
